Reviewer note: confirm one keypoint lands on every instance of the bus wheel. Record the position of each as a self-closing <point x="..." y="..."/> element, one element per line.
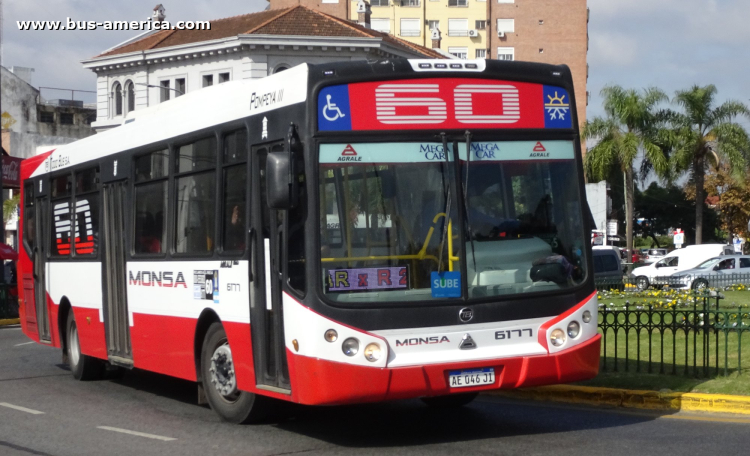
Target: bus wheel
<point x="220" y="382"/>
<point x="641" y="282"/>
<point x="450" y="401"/>
<point x="82" y="366"/>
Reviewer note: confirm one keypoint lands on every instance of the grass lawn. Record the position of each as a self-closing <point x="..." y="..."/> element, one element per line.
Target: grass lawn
<point x="680" y="350"/>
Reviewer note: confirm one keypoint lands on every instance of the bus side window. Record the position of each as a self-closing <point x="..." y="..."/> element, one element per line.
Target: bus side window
<point x="87" y="212"/>
<point x="150" y="202"/>
<point x="61" y="189"/>
<point x="234" y="219"/>
<point x="295" y="234"/>
<point x="196" y="197"/>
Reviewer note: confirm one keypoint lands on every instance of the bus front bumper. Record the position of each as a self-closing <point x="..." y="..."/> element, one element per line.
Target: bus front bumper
<point x="321" y="382"/>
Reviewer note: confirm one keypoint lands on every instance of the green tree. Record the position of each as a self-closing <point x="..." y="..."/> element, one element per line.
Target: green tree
<point x="632" y="125"/>
<point x="703" y="130"/>
<point x="10" y="206"/>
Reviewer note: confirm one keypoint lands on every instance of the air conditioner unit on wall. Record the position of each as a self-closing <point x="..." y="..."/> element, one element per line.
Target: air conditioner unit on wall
<point x="473" y="33"/>
<point x="501" y="34"/>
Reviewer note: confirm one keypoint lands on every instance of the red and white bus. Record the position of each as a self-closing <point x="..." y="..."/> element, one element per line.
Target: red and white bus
<point x="337" y="233"/>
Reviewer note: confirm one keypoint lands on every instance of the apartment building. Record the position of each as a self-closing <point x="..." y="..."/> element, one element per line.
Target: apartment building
<point x="461" y="23"/>
<point x="548" y="31"/>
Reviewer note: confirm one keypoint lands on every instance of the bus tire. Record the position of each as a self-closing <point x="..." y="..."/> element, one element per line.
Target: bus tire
<point x="220" y="382"/>
<point x="641" y="282"/>
<point x="450" y="401"/>
<point x="83" y="367"/>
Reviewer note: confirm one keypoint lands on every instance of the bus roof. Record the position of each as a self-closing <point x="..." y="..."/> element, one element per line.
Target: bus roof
<point x="194" y="111"/>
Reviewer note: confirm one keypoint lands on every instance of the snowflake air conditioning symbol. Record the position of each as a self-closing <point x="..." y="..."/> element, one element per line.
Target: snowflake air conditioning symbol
<point x="557" y="108"/>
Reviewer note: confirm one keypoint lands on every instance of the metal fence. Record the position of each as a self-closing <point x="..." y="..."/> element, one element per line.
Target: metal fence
<point x="8" y="301"/>
<point x="673" y="331"/>
<point x="676" y="281"/>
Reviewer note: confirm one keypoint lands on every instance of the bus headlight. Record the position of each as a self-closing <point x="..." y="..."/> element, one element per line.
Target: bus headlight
<point x="350" y="347"/>
<point x="557" y="337"/>
<point x="586" y="316"/>
<point x="573" y="329"/>
<point x="372" y="352"/>
<point x="331" y="335"/>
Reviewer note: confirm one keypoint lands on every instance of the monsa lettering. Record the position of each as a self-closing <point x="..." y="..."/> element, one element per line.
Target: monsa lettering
<point x="166" y="279"/>
<point x="422" y="341"/>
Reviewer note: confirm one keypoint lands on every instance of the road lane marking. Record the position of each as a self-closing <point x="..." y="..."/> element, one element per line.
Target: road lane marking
<point x="22" y="409"/>
<point x="139" y="434"/>
<point x="25" y="343"/>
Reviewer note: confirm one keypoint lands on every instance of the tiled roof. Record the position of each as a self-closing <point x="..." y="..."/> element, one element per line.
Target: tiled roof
<point x="295" y="21"/>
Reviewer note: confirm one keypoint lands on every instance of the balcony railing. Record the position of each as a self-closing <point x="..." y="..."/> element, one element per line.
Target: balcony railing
<point x="412" y="3"/>
<point x="458" y="2"/>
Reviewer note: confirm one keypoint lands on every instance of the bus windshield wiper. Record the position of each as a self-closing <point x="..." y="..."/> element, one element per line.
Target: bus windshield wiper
<point x="447" y="206"/>
<point x="466" y="203"/>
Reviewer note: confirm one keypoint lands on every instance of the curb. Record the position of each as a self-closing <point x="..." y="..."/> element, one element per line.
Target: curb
<point x="10" y="321"/>
<point x="636" y="399"/>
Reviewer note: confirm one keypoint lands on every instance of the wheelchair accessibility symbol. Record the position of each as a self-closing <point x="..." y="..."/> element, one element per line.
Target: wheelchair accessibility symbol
<point x="331" y="112"/>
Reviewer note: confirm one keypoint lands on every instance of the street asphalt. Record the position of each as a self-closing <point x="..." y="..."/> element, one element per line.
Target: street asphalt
<point x="44" y="411"/>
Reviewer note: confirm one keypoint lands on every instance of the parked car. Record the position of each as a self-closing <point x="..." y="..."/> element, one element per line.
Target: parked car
<point x="654" y="255"/>
<point x="679" y="260"/>
<point x="717" y="271"/>
<point x="607" y="266"/>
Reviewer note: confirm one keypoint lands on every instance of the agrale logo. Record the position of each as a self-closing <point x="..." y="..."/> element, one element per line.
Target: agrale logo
<point x="349" y="155"/>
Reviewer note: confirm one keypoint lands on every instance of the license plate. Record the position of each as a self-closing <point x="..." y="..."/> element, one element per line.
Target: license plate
<point x="474" y="377"/>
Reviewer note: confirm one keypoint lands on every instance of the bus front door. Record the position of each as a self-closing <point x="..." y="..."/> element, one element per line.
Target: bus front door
<point x="266" y="313"/>
<point x="116" y="319"/>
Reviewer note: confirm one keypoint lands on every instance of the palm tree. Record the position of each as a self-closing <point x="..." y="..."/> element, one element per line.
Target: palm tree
<point x="704" y="132"/>
<point x="631" y="126"/>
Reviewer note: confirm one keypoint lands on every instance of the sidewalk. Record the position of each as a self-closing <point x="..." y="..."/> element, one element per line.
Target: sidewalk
<point x="650" y="400"/>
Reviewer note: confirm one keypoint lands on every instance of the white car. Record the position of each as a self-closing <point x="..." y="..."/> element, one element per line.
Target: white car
<point x="658" y="273"/>
<point x="654" y="255"/>
<point x="717" y="271"/>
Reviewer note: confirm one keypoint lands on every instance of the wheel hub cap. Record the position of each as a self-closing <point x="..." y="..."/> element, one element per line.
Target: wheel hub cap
<point x="222" y="371"/>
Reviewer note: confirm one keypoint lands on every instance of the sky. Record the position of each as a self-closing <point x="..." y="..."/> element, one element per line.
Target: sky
<point x="670" y="44"/>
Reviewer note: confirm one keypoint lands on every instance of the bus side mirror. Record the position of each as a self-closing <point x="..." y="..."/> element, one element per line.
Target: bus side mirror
<point x="280" y="191"/>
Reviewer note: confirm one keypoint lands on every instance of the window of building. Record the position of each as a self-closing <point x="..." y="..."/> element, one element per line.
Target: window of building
<point x="481" y="54"/>
<point x="61" y="191"/>
<point x="330" y="1"/>
<point x="164" y="91"/>
<point x="480" y="25"/>
<point x="411" y="27"/>
<point x="117" y="94"/>
<point x="151" y="202"/>
<point x="506" y="53"/>
<point x="432" y="25"/>
<point x="458" y="27"/>
<point x="506" y="25"/>
<point x="460" y="52"/>
<point x="506" y="1"/>
<point x="208" y="80"/>
<point x="381" y="25"/>
<point x="379" y="3"/>
<point x="66" y="118"/>
<point x="130" y="91"/>
<point x="46" y="117"/>
<point x="179" y="85"/>
<point x="541" y="21"/>
<point x="234" y="231"/>
<point x="541" y="50"/>
<point x="86" y="236"/>
<point x="410" y="3"/>
<point x="458" y="2"/>
<point x="195" y="184"/>
<point x="280" y="69"/>
<point x="223" y="77"/>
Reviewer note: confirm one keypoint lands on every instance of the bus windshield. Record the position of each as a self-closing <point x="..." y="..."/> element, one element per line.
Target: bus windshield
<point x="389" y="219"/>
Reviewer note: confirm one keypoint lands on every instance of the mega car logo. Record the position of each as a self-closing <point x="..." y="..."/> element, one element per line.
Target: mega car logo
<point x="422" y="341"/>
<point x="165" y="279"/>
